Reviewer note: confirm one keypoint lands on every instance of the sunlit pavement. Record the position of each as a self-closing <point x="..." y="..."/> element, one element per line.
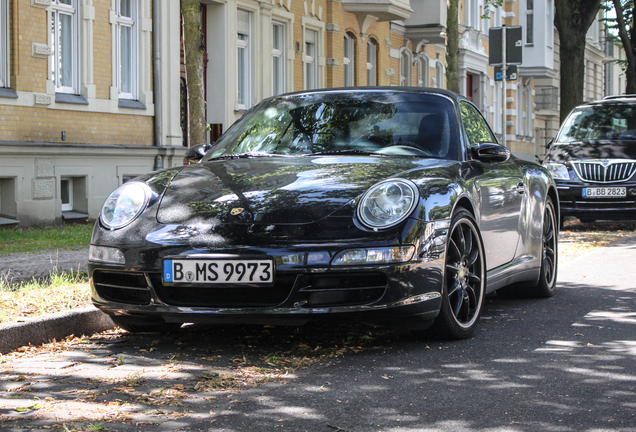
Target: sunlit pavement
<point x="560" y="364"/>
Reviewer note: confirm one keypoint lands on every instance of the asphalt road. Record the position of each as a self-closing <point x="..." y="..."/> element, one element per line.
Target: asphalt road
<point x="561" y="364"/>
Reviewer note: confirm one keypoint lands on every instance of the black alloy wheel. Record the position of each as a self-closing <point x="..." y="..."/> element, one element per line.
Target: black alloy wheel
<point x="549" y="253"/>
<point x="465" y="280"/>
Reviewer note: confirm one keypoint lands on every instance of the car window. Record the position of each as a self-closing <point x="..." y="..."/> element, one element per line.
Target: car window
<point x="393" y="123"/>
<point x="475" y="125"/>
<point x="599" y="122"/>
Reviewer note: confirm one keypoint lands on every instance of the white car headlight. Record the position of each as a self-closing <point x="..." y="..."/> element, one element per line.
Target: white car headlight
<point x="388" y="203"/>
<point x="558" y="171"/>
<point x="125" y="204"/>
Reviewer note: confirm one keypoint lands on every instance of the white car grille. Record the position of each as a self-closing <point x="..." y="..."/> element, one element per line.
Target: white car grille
<point x="605" y="171"/>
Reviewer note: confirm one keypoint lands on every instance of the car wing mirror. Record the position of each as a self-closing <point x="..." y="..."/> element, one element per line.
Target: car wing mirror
<point x="490" y="152"/>
<point x="195" y="154"/>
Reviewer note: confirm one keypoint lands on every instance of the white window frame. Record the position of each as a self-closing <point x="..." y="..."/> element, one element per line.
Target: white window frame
<point x="529" y="130"/>
<point x="311" y="53"/>
<point x="372" y="62"/>
<point x="549" y="19"/>
<point x="4" y="44"/>
<point x="348" y="62"/>
<point x="243" y="49"/>
<point x="496" y="101"/>
<point x="406" y="67"/>
<point x="131" y="22"/>
<point x="423" y="70"/>
<point x="278" y="73"/>
<point x="58" y="9"/>
<point x="471" y="16"/>
<point x="439" y="74"/>
<point x="529" y="25"/>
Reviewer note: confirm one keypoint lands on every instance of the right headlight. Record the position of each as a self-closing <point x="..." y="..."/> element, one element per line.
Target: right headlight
<point x="558" y="171"/>
<point x="388" y="203"/>
<point x="125" y="204"/>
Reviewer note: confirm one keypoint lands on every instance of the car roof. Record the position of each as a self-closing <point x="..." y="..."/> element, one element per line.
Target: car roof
<point x="609" y="100"/>
<point x="382" y="89"/>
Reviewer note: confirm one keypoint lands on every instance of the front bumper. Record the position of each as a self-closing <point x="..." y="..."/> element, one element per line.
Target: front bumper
<point x="301" y="292"/>
<point x="572" y="202"/>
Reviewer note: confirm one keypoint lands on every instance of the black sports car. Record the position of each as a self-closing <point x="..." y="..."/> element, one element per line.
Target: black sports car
<point x="377" y="204"/>
<point x="593" y="160"/>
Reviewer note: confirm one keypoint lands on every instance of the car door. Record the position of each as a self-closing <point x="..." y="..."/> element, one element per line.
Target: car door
<point x="500" y="188"/>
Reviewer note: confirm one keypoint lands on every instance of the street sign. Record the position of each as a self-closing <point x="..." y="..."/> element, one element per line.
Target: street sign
<point x="514" y="45"/>
<point x="511" y="73"/>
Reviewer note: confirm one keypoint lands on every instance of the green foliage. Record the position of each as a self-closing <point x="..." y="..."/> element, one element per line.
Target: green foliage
<point x="31" y="239"/>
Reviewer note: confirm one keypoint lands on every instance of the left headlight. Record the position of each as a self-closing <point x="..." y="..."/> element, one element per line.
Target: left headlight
<point x="388" y="203"/>
<point x="125" y="204"/>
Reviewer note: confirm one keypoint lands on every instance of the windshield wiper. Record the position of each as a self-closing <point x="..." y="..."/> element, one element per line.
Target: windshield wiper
<point x="346" y="152"/>
<point x="242" y="156"/>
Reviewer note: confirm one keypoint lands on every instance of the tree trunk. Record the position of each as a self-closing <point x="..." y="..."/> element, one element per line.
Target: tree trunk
<point x="630" y="71"/>
<point x="572" y="19"/>
<point x="194" y="51"/>
<point x="452" y="46"/>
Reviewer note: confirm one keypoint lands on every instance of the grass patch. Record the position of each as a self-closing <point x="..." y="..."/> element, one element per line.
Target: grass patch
<point x="61" y="292"/>
<point x="13" y="240"/>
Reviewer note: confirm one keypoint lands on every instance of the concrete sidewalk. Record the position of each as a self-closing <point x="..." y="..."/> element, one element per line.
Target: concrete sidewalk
<point x="23" y="267"/>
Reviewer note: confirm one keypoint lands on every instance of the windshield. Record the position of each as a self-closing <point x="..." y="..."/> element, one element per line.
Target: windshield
<point x="391" y="123"/>
<point x="600" y="122"/>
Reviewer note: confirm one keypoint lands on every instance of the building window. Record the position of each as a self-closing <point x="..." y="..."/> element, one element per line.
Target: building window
<point x="422" y="71"/>
<point x="348" y="61"/>
<point x="4" y="43"/>
<point x="243" y="59"/>
<point x="127" y="49"/>
<point x="278" y="58"/>
<point x="406" y="67"/>
<point x="472" y="14"/>
<point x="372" y="63"/>
<point x="439" y="75"/>
<point x="530" y="22"/>
<point x="65" y="46"/>
<point x="549" y="29"/>
<point x="311" y="59"/>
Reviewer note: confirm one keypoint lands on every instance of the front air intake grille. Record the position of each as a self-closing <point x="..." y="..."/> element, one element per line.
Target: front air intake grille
<point x="605" y="171"/>
<point x="122" y="287"/>
<point x="224" y="296"/>
<point x="337" y="290"/>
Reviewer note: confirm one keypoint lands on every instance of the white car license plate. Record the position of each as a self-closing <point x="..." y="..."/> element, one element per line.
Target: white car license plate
<point x="206" y="271"/>
<point x="605" y="192"/>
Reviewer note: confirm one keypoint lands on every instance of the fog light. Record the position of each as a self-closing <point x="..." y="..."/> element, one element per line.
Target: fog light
<point x="384" y="255"/>
<point x="106" y="255"/>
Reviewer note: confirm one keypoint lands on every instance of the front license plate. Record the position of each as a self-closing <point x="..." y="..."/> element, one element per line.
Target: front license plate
<point x="201" y="271"/>
<point x="605" y="192"/>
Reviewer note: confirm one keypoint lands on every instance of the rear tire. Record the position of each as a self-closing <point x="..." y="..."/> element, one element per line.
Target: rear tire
<point x="546" y="285"/>
<point x="464" y="286"/>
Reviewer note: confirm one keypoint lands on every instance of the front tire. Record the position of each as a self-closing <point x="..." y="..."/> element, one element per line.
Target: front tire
<point x="464" y="280"/>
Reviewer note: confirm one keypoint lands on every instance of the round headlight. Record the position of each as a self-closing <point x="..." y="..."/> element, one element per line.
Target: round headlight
<point x="388" y="203"/>
<point x="125" y="204"/>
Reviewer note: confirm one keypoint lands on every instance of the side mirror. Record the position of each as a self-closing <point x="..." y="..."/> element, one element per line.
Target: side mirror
<point x="490" y="152"/>
<point x="196" y="153"/>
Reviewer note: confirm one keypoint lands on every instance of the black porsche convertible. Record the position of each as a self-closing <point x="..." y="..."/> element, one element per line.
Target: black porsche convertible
<point x="384" y="205"/>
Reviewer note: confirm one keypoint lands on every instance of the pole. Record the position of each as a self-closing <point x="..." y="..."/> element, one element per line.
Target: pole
<point x="504" y="70"/>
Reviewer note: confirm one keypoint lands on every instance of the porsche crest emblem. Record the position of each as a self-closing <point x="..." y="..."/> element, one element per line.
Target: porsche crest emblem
<point x="236" y="211"/>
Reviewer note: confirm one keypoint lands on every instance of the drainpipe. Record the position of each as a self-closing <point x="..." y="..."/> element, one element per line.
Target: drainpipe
<point x="156" y="65"/>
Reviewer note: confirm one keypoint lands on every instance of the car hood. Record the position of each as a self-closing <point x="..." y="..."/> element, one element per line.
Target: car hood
<point x="276" y="190"/>
<point x="592" y="150"/>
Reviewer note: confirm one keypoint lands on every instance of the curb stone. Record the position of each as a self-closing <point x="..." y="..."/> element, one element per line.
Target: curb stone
<point x="37" y="331"/>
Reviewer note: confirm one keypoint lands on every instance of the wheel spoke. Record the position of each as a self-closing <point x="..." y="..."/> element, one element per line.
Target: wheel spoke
<point x="473" y="278"/>
<point x="453" y="289"/>
<point x="458" y="305"/>
<point x="462" y="242"/>
<point x="455" y="250"/>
